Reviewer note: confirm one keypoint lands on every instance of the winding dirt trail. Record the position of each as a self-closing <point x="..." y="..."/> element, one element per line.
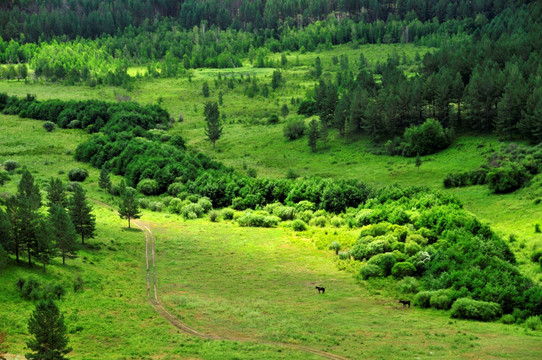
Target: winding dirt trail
<point x="152" y="294"/>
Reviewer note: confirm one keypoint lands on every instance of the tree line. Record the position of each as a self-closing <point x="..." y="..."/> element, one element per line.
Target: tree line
<point x="38" y="20"/>
<point x="487" y="84"/>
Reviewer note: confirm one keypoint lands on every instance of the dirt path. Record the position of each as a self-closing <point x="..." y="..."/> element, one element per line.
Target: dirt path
<point x="152" y="294"/>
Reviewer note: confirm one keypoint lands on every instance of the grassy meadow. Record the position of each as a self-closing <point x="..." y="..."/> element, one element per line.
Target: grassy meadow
<point x="252" y="284"/>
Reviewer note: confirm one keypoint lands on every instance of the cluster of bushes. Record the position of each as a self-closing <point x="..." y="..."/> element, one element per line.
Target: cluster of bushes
<point x="421" y="233"/>
<point x="91" y="115"/>
<point x="506" y="170"/>
<point x="32" y="289"/>
<point x="427" y="138"/>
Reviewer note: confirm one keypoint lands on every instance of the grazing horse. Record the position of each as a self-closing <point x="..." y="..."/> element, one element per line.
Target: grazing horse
<point x="405" y="303"/>
<point x="321" y="289"/>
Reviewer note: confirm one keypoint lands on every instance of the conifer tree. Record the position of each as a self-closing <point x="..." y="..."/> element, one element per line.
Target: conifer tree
<point x="25" y="213"/>
<point x="6" y="235"/>
<point x="63" y="231"/>
<point x="104" y="181"/>
<point x="46" y="247"/>
<point x="313" y="134"/>
<point x="128" y="208"/>
<point x="56" y="193"/>
<point x="81" y="216"/>
<point x="49" y="340"/>
<point x="213" y="125"/>
<point x="323" y="132"/>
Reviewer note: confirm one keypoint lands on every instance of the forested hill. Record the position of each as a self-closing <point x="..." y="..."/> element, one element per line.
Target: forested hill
<point x="31" y="21"/>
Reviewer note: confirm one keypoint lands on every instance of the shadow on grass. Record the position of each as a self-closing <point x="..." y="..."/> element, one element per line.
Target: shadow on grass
<point x="133" y="229"/>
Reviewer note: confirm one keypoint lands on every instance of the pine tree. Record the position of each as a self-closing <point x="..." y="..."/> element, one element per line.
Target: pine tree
<point x="24" y="214"/>
<point x="323" y="132"/>
<point x="81" y="216"/>
<point x="317" y="67"/>
<point x="205" y="89"/>
<point x="104" y="181"/>
<point x="457" y="94"/>
<point x="313" y="134"/>
<point x="418" y="161"/>
<point x="56" y="193"/>
<point x="6" y="235"/>
<point x="63" y="231"/>
<point x="46" y="247"/>
<point x="49" y="340"/>
<point x="276" y="80"/>
<point x="284" y="111"/>
<point x="128" y="208"/>
<point x="213" y="125"/>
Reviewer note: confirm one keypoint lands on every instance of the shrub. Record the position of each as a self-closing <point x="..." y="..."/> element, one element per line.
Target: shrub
<point x="402" y="269"/>
<point x="465" y="308"/>
<point x="255" y="219"/>
<point x="213" y="216"/>
<point x="205" y="204"/>
<point x="408" y="285"/>
<point x="305" y="216"/>
<point x="319" y="221"/>
<point x="423" y="299"/>
<point x="533" y="323"/>
<point x="273" y="119"/>
<point x="344" y="255"/>
<point x="10" y="165"/>
<point x="227" y="213"/>
<point x="384" y="261"/>
<point x="49" y="126"/>
<point x="4" y="176"/>
<point x="441" y="300"/>
<point x="299" y="225"/>
<point x="77" y="174"/>
<point x="507" y="178"/>
<point x="30" y="289"/>
<point x="156" y="206"/>
<point x="337" y="221"/>
<point x="370" y="271"/>
<point x="508" y="319"/>
<point x="148" y="187"/>
<point x="335" y="246"/>
<point x="427" y="138"/>
<point x="536" y="255"/>
<point x="175" y="206"/>
<point x="294" y="129"/>
<point x="411" y="248"/>
<point x="305" y="205"/>
<point x="284" y="212"/>
<point x="189" y="210"/>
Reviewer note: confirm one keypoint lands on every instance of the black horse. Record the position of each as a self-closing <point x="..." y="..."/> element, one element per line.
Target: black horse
<point x="405" y="303"/>
<point x="321" y="290"/>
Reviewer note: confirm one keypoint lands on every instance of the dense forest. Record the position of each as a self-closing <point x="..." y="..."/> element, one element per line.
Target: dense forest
<point x="43" y="20"/>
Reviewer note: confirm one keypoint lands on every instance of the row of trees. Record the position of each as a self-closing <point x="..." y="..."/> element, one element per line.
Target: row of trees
<point x="40" y="20"/>
<point x="26" y="230"/>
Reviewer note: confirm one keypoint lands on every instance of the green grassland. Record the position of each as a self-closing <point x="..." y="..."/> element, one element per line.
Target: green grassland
<point x="255" y="284"/>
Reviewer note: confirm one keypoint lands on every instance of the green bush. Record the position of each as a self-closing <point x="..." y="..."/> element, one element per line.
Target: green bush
<point x="189" y="210"/>
<point x="294" y="129"/>
<point x="284" y="212"/>
<point x="254" y="219"/>
<point x="4" y="176"/>
<point x="402" y="269"/>
<point x="508" y="319"/>
<point x="305" y="205"/>
<point x="305" y="216"/>
<point x="175" y="206"/>
<point x="344" y="255"/>
<point x="213" y="216"/>
<point x="148" y="187"/>
<point x="77" y="174"/>
<point x="423" y="299"/>
<point x="370" y="271"/>
<point x="49" y="126"/>
<point x="227" y="213"/>
<point x="10" y="165"/>
<point x="465" y="308"/>
<point x="273" y="119"/>
<point x="384" y="261"/>
<point x="507" y="178"/>
<point x="205" y="204"/>
<point x="319" y="221"/>
<point x="441" y="300"/>
<point x="409" y="285"/>
<point x="428" y="138"/>
<point x="533" y="323"/>
<point x="536" y="255"/>
<point x="299" y="225"/>
<point x="337" y="221"/>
